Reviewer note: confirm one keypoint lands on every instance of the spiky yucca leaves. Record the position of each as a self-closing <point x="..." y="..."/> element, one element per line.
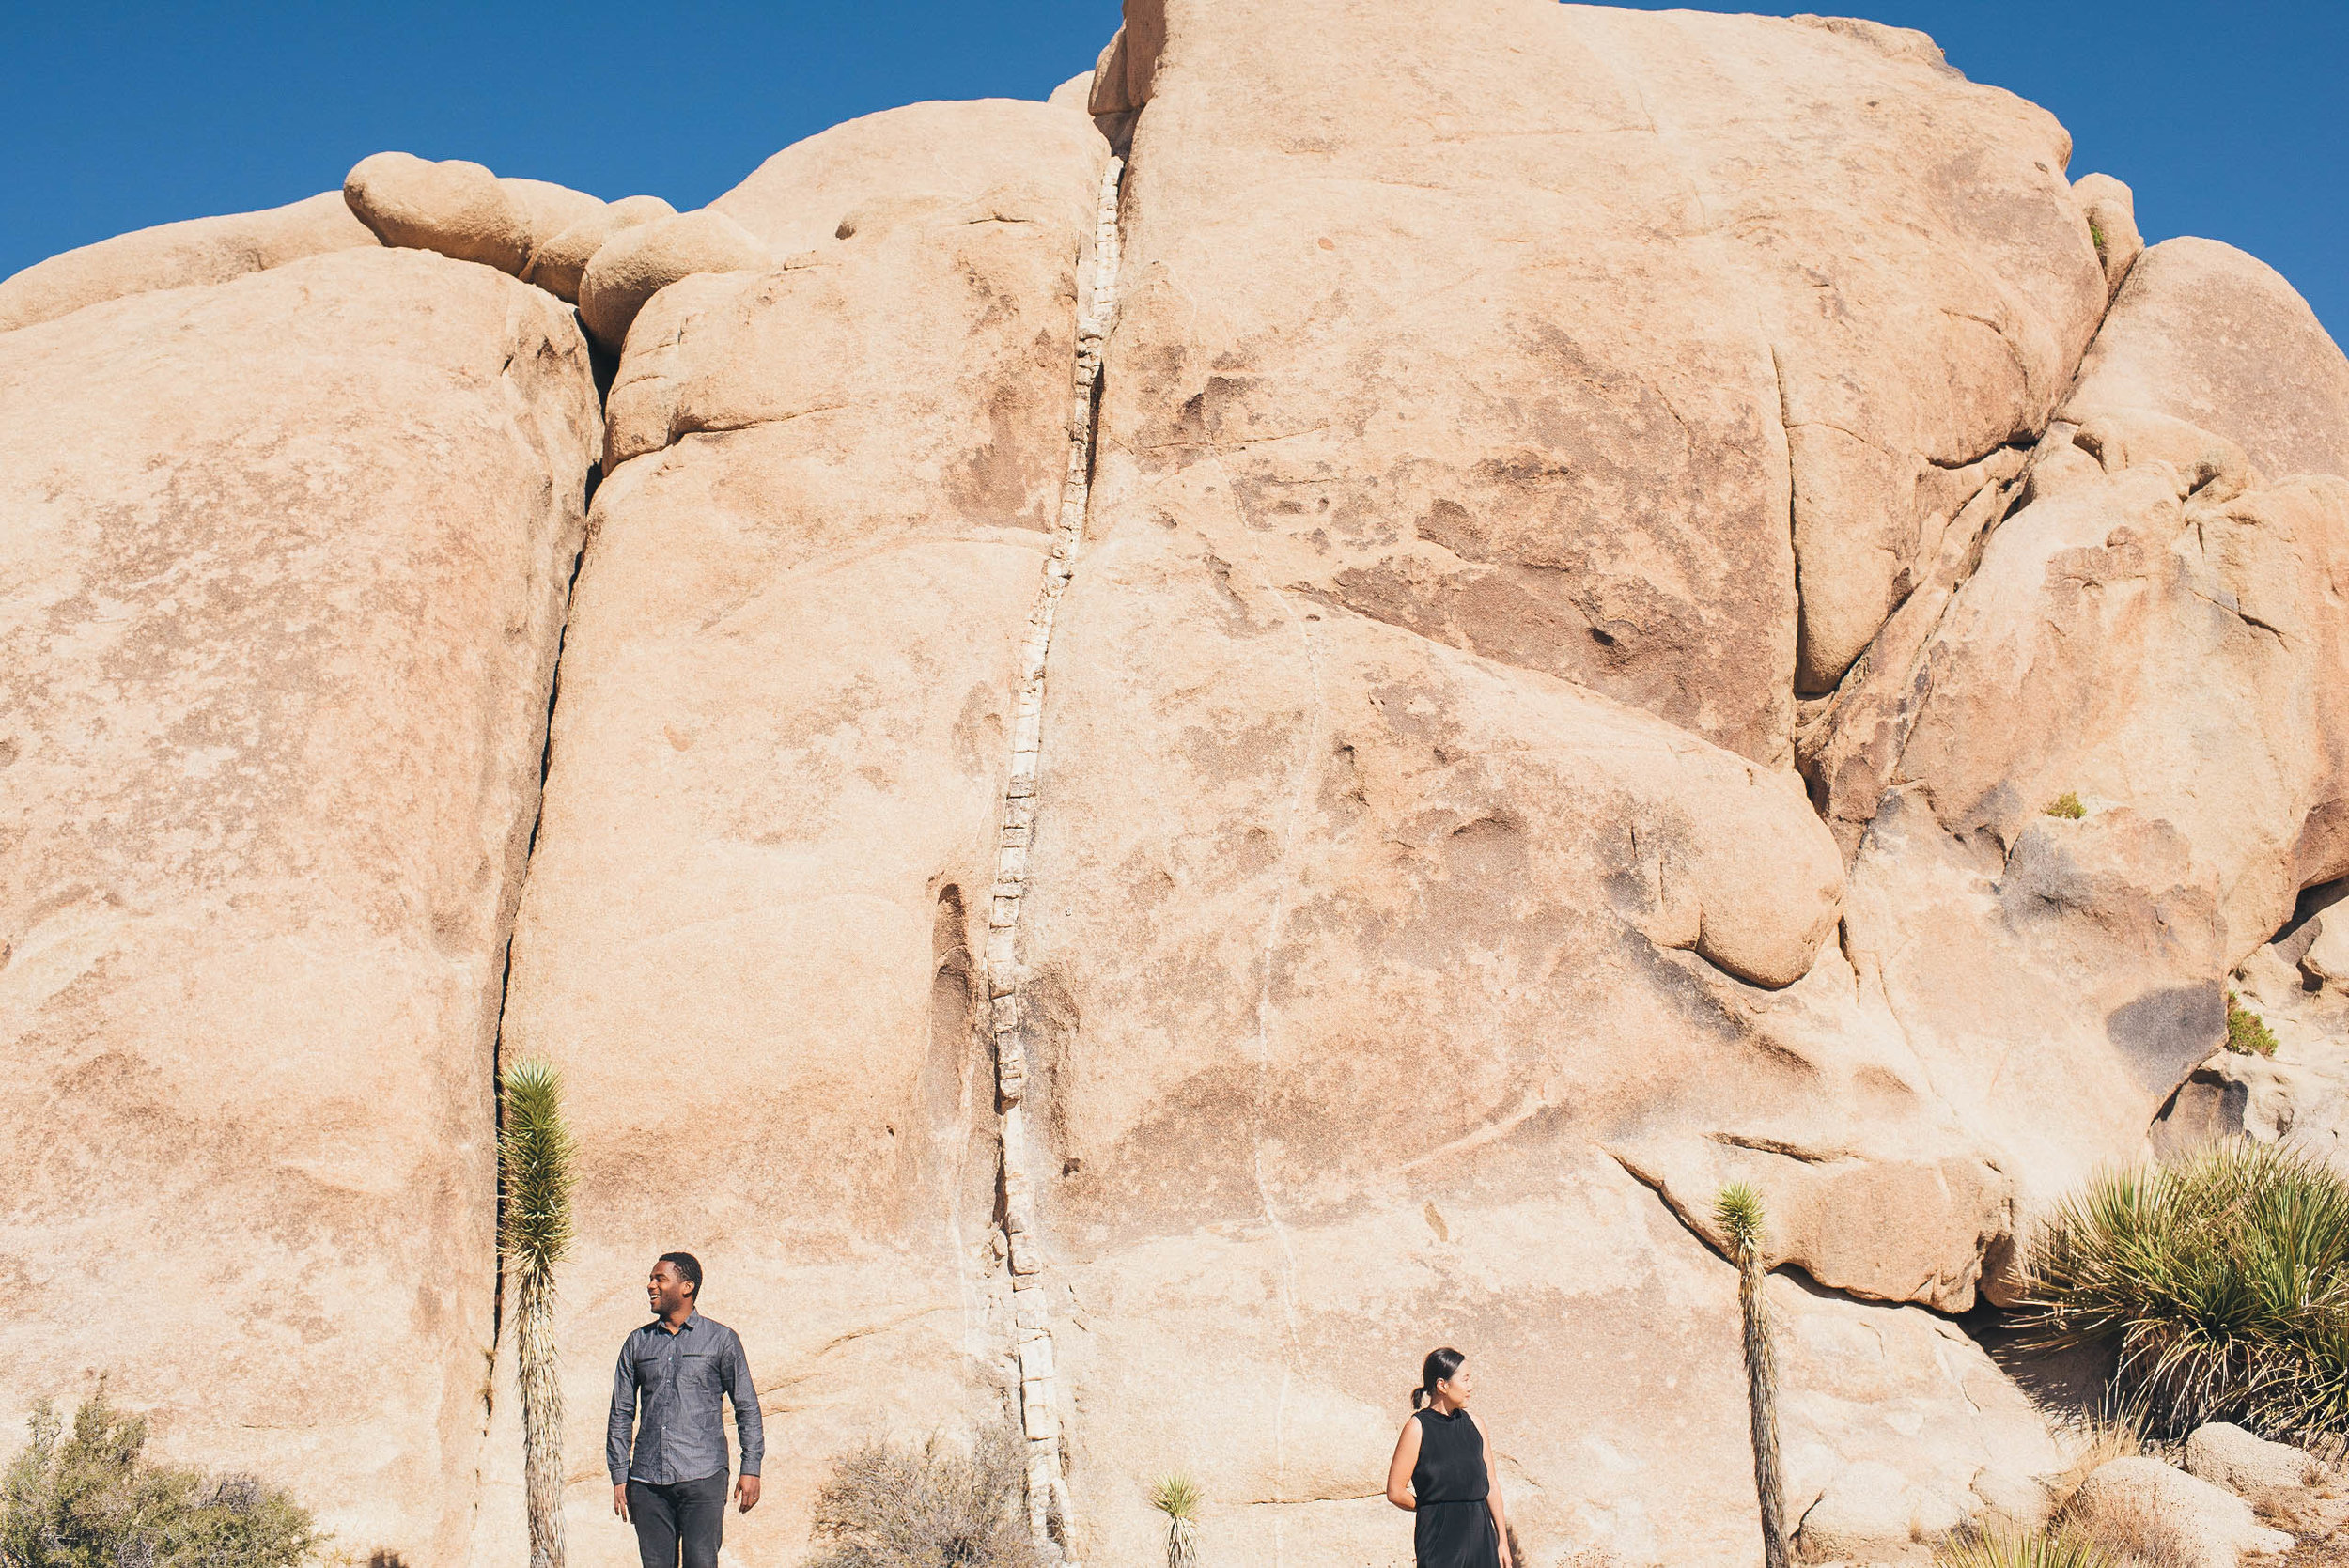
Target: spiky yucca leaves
<point x="2060" y="1547"/>
<point x="2220" y="1284"/>
<point x="1177" y="1497"/>
<point x="1737" y="1210"/>
<point x="535" y="1159"/>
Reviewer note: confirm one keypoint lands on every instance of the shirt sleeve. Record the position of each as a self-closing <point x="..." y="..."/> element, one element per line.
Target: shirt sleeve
<point x="744" y="1393"/>
<point x="623" y="1424"/>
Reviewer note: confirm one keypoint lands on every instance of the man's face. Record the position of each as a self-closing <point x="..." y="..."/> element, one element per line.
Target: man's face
<point x="665" y="1290"/>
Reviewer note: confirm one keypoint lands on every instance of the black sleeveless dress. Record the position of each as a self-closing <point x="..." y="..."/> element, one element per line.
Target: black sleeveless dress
<point x="1453" y="1524"/>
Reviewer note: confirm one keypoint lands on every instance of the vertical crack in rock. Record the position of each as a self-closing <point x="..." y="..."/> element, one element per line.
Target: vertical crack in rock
<point x="1032" y="1333"/>
<point x="1274" y="924"/>
<point x="511" y="917"/>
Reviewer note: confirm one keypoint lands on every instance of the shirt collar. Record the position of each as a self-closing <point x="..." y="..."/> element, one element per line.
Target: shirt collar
<point x="693" y="1321"/>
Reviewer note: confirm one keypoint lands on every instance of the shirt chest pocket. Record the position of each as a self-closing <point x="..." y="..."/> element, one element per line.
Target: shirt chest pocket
<point x="697" y="1369"/>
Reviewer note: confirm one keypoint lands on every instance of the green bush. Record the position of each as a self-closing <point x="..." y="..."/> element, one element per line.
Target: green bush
<point x="89" y="1500"/>
<point x="888" y="1507"/>
<point x="2060" y="1547"/>
<point x="2220" y="1285"/>
<point x="2247" y="1034"/>
<point x="2066" y="805"/>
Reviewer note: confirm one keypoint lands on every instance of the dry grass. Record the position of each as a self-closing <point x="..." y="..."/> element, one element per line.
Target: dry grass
<point x="888" y="1507"/>
<point x="2093" y="1440"/>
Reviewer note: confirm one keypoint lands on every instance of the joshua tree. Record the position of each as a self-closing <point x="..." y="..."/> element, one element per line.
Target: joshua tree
<point x="1738" y="1211"/>
<point x="1177" y="1497"/>
<point x="535" y="1152"/>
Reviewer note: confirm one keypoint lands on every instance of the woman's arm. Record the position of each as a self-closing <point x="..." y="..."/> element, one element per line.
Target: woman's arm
<point x="1492" y="1494"/>
<point x="1399" y="1468"/>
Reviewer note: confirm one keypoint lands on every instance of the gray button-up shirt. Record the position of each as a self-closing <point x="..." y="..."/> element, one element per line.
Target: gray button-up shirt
<point x="679" y="1377"/>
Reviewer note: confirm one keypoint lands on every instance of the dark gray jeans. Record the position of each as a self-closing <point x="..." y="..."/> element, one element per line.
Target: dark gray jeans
<point x="687" y="1514"/>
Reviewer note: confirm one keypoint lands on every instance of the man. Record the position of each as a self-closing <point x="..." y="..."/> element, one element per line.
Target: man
<point x="673" y="1486"/>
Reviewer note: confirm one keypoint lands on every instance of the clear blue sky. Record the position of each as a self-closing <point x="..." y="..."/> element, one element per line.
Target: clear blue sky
<point x="2227" y="118"/>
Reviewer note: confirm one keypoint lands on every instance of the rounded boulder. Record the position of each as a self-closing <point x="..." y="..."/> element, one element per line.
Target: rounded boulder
<point x="558" y="263"/>
<point x="637" y="263"/>
<point x="549" y="208"/>
<point x="455" y="208"/>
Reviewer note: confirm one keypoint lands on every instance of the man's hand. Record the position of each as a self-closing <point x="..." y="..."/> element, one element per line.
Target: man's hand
<point x="746" y="1493"/>
<point x="619" y="1499"/>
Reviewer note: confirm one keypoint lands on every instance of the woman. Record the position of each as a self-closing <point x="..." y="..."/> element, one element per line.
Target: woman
<point x="1443" y="1473"/>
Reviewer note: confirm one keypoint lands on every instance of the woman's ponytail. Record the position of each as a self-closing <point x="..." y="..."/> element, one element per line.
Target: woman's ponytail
<point x="1439" y="1368"/>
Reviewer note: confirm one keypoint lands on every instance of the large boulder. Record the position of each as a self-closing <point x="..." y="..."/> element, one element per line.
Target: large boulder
<point x="1521" y="338"/>
<point x="285" y="559"/>
<point x="771" y="823"/>
<point x="2162" y="1511"/>
<point x="549" y="208"/>
<point x="179" y="255"/>
<point x="2245" y="1463"/>
<point x="558" y="262"/>
<point x="458" y="208"/>
<point x="866" y="173"/>
<point x="2205" y="333"/>
<point x="2137" y="624"/>
<point x="637" y="262"/>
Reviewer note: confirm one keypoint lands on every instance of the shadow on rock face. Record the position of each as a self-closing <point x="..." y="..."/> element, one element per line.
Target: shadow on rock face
<point x="2165" y="1034"/>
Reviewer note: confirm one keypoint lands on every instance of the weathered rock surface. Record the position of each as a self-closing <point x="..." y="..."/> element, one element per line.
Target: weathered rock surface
<point x="549" y="208"/>
<point x="2300" y="1095"/>
<point x="456" y="208"/>
<point x="1562" y="455"/>
<point x="2110" y="209"/>
<point x="638" y="261"/>
<point x="2226" y="1455"/>
<point x="2205" y="334"/>
<point x="2199" y="1525"/>
<point x="1525" y="691"/>
<point x="769" y="826"/>
<point x="285" y="562"/>
<point x="557" y="263"/>
<point x="903" y="165"/>
<point x="179" y="255"/>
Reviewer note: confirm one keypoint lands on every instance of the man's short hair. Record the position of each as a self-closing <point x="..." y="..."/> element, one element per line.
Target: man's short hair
<point x="689" y="1268"/>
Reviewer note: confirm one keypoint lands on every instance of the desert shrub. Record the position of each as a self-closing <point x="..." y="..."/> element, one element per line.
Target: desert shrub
<point x="2220" y="1285"/>
<point x="931" y="1507"/>
<point x="2247" y="1032"/>
<point x="2066" y="805"/>
<point x="2058" y="1547"/>
<point x="89" y="1498"/>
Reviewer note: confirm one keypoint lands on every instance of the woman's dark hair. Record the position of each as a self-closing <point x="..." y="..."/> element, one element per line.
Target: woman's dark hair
<point x="1438" y="1367"/>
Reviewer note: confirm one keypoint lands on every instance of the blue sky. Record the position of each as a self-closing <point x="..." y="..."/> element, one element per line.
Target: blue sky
<point x="2227" y="118"/>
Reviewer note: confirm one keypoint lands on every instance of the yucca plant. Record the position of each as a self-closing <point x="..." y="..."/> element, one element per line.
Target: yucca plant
<point x="1737" y="1210"/>
<point x="2220" y="1285"/>
<point x="1177" y="1497"/>
<point x="2058" y="1547"/>
<point x="535" y="1159"/>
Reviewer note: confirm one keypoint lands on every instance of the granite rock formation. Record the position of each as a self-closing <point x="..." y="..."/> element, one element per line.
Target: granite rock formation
<point x="1207" y="734"/>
